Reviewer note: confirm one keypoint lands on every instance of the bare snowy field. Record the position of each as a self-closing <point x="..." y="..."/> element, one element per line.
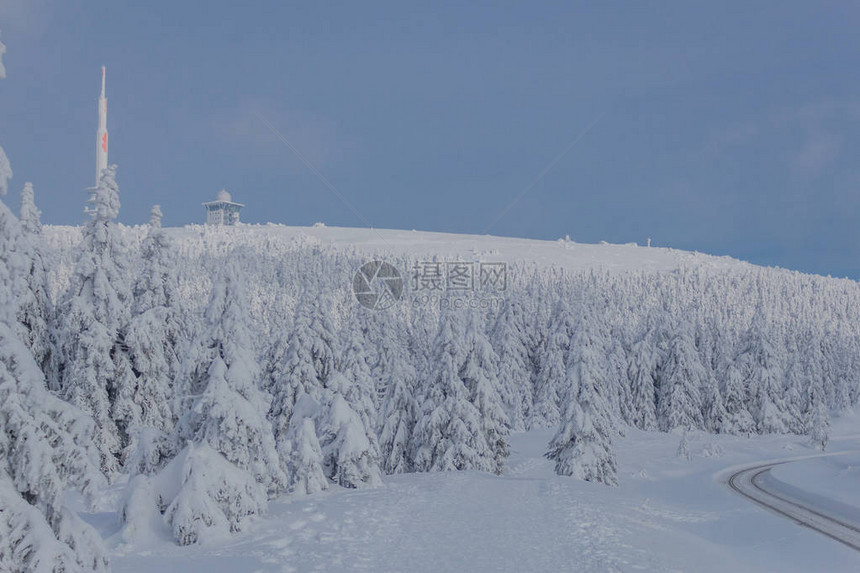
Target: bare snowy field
<point x="834" y="478"/>
<point x="562" y="253"/>
<point x="668" y="514"/>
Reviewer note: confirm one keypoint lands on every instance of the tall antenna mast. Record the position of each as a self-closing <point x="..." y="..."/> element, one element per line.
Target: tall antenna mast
<point x="102" y="134"/>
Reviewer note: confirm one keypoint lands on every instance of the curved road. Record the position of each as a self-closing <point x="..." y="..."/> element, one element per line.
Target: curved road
<point x="748" y="482"/>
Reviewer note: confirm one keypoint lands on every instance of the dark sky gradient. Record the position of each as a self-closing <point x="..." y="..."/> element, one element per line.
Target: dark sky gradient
<point x="726" y="128"/>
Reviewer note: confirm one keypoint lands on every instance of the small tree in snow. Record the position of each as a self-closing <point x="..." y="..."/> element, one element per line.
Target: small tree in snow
<point x="818" y="418"/>
<point x="738" y="419"/>
<point x="713" y="409"/>
<point x="679" y="402"/>
<point x="35" y="308"/>
<point x="449" y="434"/>
<point x="795" y="380"/>
<point x="399" y="415"/>
<point x="301" y="363"/>
<point x="762" y="370"/>
<point x="683" y="451"/>
<point x="227" y="408"/>
<point x="29" y="214"/>
<point x="154" y="339"/>
<point x="641" y="370"/>
<point x="551" y="368"/>
<point x="510" y="340"/>
<point x="349" y="459"/>
<point x="587" y="371"/>
<point x="479" y="373"/>
<point x="396" y="376"/>
<point x="579" y="450"/>
<point x="360" y="393"/>
<point x="582" y="447"/>
<point x="22" y="254"/>
<point x="208" y="496"/>
<point x="95" y="365"/>
<point x="301" y="449"/>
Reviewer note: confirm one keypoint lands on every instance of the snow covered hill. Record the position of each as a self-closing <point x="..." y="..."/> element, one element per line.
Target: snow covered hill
<point x="421" y="245"/>
<point x="514" y="403"/>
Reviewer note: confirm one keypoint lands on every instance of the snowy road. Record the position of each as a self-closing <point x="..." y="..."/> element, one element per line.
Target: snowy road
<point x="752" y="483"/>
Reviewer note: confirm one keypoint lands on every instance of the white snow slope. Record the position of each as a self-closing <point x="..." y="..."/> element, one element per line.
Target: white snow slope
<point x="834" y="478"/>
<point x="381" y="242"/>
<point x="668" y="514"/>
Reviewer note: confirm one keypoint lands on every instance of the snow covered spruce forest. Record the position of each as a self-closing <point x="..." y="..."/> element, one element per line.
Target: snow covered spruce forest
<point x="212" y="370"/>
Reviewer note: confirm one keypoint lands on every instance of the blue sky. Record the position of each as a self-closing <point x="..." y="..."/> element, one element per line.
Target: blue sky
<point x="724" y="127"/>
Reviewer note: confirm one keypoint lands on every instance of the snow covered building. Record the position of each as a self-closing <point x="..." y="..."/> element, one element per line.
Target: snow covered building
<point x="222" y="211"/>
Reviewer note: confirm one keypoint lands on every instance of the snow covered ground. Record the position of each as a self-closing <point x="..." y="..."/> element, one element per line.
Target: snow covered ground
<point x="668" y="514"/>
<point x="832" y="482"/>
<point x="561" y="253"/>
